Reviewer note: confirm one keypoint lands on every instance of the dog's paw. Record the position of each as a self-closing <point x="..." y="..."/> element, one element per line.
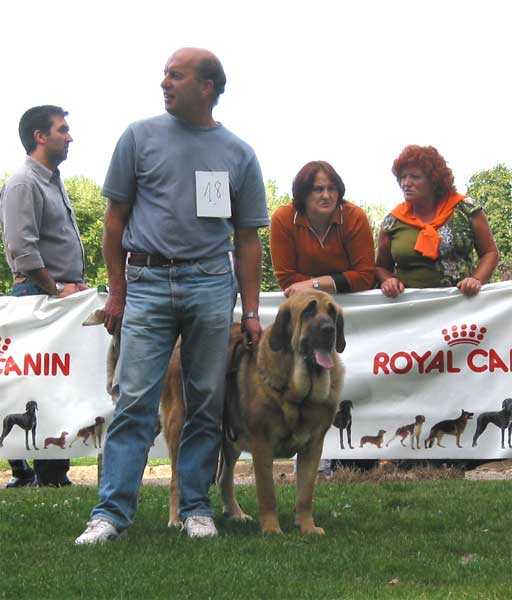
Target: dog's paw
<point x="241" y="516"/>
<point x="271" y="530"/>
<point x="270" y="526"/>
<point x="177" y="523"/>
<point x="311" y="529"/>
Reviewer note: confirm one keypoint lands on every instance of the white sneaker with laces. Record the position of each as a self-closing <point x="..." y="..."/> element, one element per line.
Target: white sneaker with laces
<point x="99" y="531"/>
<point x="200" y="527"/>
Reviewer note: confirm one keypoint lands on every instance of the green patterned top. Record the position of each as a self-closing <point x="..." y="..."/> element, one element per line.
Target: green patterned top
<point x="456" y="248"/>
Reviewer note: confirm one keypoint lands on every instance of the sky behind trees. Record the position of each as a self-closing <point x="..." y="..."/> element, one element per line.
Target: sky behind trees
<point x="344" y="81"/>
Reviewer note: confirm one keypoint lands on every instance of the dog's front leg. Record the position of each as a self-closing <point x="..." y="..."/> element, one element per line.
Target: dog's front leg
<point x="263" y="457"/>
<point x="33" y="438"/>
<point x="349" y="436"/>
<point x="308" y="459"/>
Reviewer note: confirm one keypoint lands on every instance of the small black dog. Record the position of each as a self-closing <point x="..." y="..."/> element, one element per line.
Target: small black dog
<point x="343" y="420"/>
<point x="501" y="418"/>
<point x="26" y="420"/>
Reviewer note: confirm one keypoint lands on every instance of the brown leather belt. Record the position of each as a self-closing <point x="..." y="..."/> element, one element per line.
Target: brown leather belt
<point x="139" y="259"/>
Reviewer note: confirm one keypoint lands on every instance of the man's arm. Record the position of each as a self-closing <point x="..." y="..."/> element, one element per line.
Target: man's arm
<point x="248" y="271"/>
<point x="43" y="280"/>
<point x="116" y="217"/>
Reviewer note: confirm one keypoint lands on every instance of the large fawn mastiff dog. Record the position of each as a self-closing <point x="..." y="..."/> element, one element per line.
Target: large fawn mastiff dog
<point x="287" y="394"/>
<point x="281" y="400"/>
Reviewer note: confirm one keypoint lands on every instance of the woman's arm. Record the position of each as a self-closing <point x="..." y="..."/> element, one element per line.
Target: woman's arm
<point x="283" y="252"/>
<point x="390" y="285"/>
<point x="487" y="253"/>
<point x="284" y="260"/>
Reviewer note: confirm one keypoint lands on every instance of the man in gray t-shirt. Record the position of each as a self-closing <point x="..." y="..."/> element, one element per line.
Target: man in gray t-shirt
<point x="180" y="186"/>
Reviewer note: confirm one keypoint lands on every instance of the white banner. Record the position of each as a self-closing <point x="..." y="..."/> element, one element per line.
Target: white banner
<point x="429" y="353"/>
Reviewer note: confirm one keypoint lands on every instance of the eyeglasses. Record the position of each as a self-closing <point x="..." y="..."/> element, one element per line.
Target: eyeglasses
<point x="330" y="189"/>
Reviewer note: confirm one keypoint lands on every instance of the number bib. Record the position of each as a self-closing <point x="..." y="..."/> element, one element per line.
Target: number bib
<point x="212" y="194"/>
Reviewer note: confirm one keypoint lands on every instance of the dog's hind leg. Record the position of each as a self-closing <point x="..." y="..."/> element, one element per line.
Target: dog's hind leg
<point x="391" y="439"/>
<point x="481" y="426"/>
<point x="230" y="506"/>
<point x="5" y="431"/>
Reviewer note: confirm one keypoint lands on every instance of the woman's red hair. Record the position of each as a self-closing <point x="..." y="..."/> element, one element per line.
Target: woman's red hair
<point x="433" y="165"/>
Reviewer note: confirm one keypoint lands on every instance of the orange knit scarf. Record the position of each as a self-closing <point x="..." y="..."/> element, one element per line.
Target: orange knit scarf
<point x="428" y="239"/>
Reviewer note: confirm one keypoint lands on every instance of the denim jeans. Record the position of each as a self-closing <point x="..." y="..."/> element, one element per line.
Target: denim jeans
<point x="194" y="300"/>
<point x="48" y="471"/>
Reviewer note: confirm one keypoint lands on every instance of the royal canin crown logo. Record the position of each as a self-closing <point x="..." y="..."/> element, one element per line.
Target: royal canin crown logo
<point x="39" y="364"/>
<point x="424" y="362"/>
<point x="464" y="335"/>
<point x="4" y="345"/>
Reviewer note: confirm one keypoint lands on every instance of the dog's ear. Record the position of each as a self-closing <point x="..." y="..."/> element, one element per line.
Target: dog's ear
<point x="95" y="318"/>
<point x="280" y="334"/>
<point x="340" y="333"/>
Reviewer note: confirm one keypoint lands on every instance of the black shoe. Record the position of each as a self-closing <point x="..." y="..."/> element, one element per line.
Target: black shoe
<point x="15" y="482"/>
<point x="65" y="481"/>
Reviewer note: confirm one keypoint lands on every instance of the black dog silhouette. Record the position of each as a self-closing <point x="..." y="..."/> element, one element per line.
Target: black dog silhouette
<point x="26" y="420"/>
<point x="501" y="418"/>
<point x="343" y="420"/>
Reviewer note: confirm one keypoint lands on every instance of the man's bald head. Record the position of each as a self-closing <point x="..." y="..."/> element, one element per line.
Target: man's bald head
<point x="207" y="66"/>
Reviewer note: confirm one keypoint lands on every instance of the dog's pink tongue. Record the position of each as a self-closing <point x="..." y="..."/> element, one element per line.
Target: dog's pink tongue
<point x="324" y="359"/>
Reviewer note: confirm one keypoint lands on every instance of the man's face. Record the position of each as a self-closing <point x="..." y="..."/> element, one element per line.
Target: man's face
<point x="57" y="140"/>
<point x="185" y="94"/>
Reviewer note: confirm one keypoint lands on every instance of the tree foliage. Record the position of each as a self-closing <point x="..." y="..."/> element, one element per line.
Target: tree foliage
<point x="268" y="278"/>
<point x="492" y="189"/>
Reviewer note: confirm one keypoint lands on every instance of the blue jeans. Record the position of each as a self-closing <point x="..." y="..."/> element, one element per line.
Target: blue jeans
<point x="194" y="300"/>
<point x="47" y="470"/>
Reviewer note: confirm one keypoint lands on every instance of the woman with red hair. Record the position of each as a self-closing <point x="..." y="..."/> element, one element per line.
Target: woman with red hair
<point x="428" y="240"/>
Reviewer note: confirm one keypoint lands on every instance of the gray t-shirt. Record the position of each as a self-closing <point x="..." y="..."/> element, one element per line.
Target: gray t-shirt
<point x="39" y="225"/>
<point x="153" y="169"/>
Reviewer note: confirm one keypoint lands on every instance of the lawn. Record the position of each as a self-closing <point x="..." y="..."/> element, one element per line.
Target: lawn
<point x="415" y="540"/>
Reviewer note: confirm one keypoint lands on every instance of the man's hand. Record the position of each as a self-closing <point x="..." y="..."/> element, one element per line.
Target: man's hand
<point x="72" y="288"/>
<point x="114" y="310"/>
<point x="251" y="329"/>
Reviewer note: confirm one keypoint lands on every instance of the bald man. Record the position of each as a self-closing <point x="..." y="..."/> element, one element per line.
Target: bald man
<point x="179" y="185"/>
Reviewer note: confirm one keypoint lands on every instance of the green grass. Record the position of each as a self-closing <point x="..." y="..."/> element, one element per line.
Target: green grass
<point x="440" y="539"/>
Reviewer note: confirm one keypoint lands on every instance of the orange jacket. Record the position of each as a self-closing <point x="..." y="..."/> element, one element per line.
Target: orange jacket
<point x="298" y="254"/>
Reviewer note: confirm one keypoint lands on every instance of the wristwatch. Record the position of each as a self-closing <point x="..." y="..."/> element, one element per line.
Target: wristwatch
<point x="316" y="285"/>
<point x="59" y="286"/>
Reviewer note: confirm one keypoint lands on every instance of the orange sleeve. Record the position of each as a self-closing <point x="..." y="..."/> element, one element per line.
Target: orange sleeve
<point x="282" y="248"/>
<point x="360" y="251"/>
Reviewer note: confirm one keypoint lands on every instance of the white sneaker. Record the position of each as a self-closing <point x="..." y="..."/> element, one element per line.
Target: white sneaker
<point x="200" y="527"/>
<point x="99" y="531"/>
